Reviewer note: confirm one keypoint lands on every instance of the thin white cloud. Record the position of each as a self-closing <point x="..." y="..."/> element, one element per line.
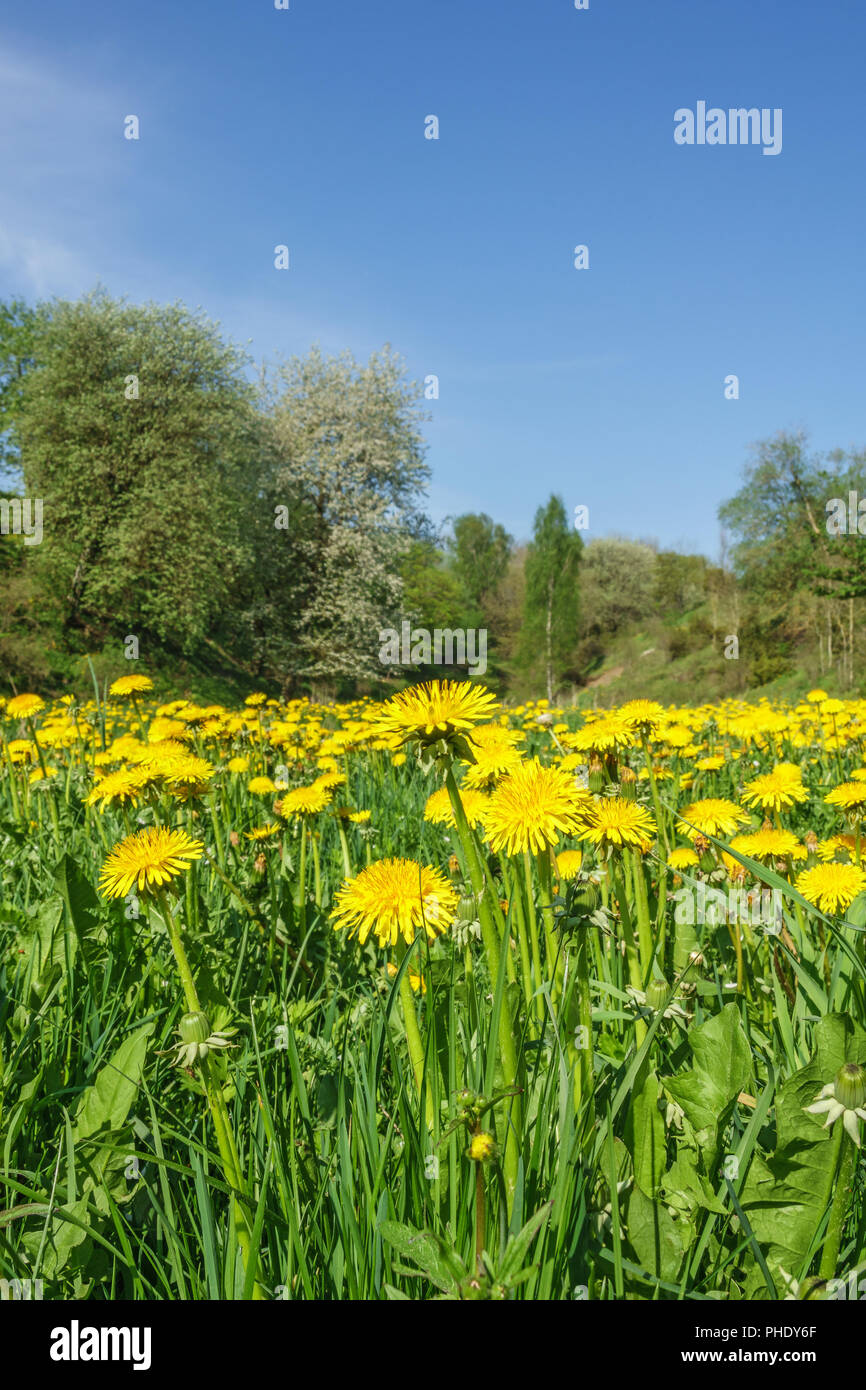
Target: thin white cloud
<point x="54" y="162"/>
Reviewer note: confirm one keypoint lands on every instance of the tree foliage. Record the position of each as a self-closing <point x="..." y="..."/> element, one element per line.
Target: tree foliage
<point x="136" y="427"/>
<point x="347" y="462"/>
<point x="550" y="627"/>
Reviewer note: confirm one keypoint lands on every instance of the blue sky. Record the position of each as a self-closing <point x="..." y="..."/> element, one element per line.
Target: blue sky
<point x="306" y="127"/>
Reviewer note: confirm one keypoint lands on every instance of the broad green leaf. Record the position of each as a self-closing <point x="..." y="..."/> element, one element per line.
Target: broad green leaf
<point x="653" y="1235"/>
<point x="61" y="1238"/>
<point x="80" y="898"/>
<point x="709" y="1091"/>
<point x="785" y="1197"/>
<point x="645" y="1134"/>
<point x="46" y="945"/>
<point x="683" y="1187"/>
<point x="428" y="1252"/>
<point x="107" y="1102"/>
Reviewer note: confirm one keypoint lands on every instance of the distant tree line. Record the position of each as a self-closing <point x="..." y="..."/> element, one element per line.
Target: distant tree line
<point x="266" y="524"/>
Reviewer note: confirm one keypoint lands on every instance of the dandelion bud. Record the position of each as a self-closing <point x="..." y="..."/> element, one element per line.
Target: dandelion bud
<point x="596" y="776"/>
<point x="627" y="784"/>
<point x="588" y="897"/>
<point x="850" y="1086"/>
<point x="704" y="852"/>
<point x="810" y="840"/>
<point x="195" y="1028"/>
<point x="657" y="992"/>
<point x="453" y="866"/>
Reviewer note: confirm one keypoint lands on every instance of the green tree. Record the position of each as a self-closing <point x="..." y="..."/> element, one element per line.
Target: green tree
<point x="619" y="578"/>
<point x="348" y="464"/>
<point x="680" y="581"/>
<point x="797" y="573"/>
<point x="137" y="428"/>
<point x="17" y="331"/>
<point x="551" y="614"/>
<point x="479" y="549"/>
<point x="431" y="593"/>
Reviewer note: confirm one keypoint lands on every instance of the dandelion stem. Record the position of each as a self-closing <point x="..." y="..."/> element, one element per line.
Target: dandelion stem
<point x="413" y="1032"/>
<point x="841" y="1198"/>
<point x="216" y="1099"/>
<point x="507" y="1049"/>
<point x="533" y="932"/>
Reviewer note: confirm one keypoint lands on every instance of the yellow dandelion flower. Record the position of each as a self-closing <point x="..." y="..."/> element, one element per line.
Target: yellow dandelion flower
<point x="850" y="797"/>
<point x="776" y="790"/>
<point x="770" y="844"/>
<point x="329" y="780"/>
<point x="37" y="775"/>
<point x="161" y="728"/>
<point x="436" y="709"/>
<point x="832" y="887"/>
<point x="188" y="774"/>
<point x="532" y="807"/>
<point x="604" y="735"/>
<point x="160" y="757"/>
<point x="263" y="832"/>
<point x="679" y="738"/>
<point x="492" y="761"/>
<point x="130" y="685"/>
<point x="644" y="715"/>
<point x="261" y="786"/>
<point x="568" y="864"/>
<point x="393" y="898"/>
<point x="615" y="822"/>
<point x="127" y="784"/>
<point x="711" y="816"/>
<point x="304" y="801"/>
<point x="828" y="849"/>
<point x="20" y="749"/>
<point x="438" y="809"/>
<point x="24" y="706"/>
<point x="682" y="858"/>
<point x="148" y="859"/>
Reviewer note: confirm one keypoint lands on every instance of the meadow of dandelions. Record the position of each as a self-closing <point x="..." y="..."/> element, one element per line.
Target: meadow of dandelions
<point x="431" y="997"/>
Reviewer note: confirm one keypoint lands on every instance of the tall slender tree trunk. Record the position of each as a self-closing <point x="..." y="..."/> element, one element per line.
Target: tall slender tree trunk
<point x="549" y="640"/>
